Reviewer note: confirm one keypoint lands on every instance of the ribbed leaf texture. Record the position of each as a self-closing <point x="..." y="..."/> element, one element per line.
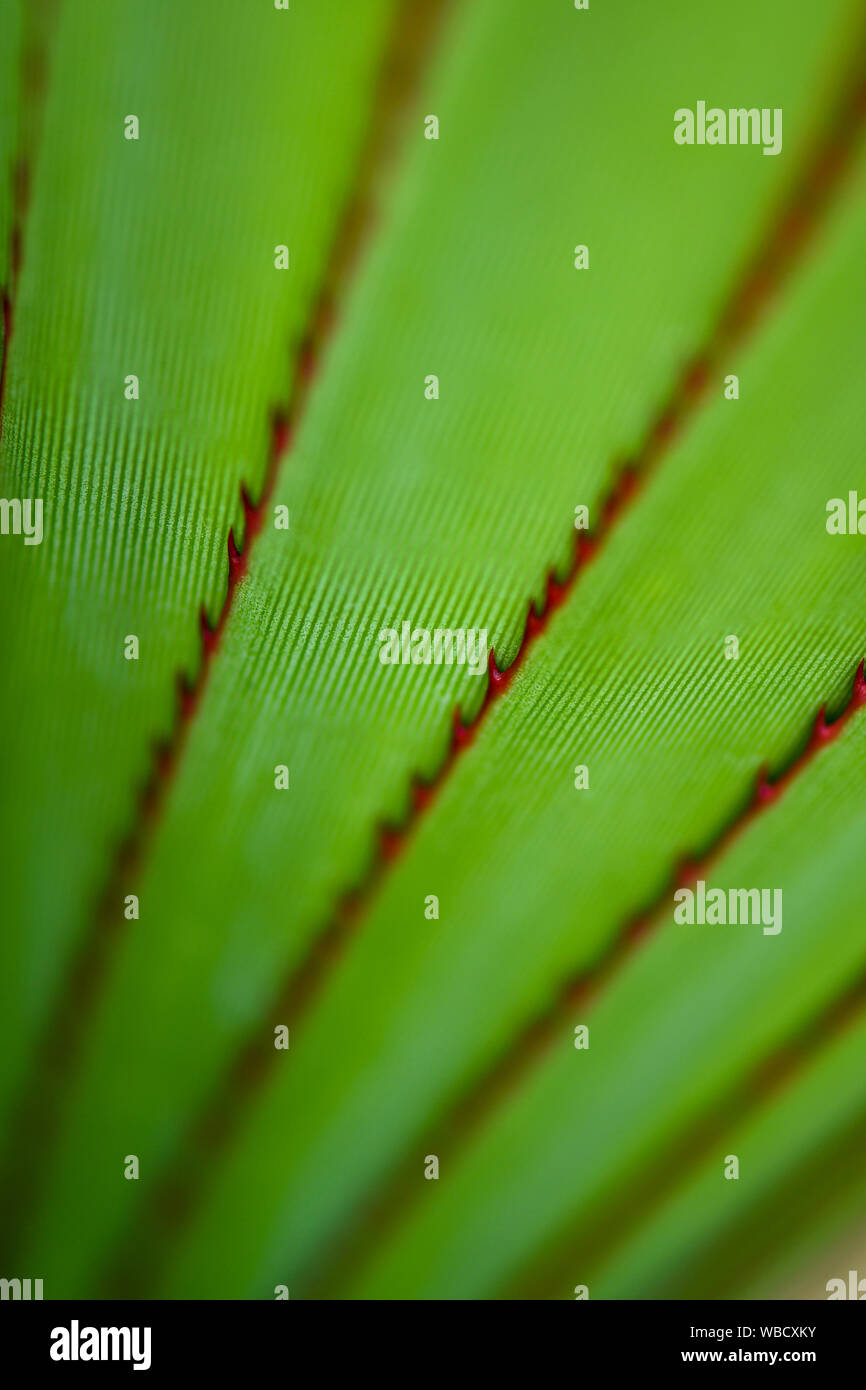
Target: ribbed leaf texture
<point x="458" y="896"/>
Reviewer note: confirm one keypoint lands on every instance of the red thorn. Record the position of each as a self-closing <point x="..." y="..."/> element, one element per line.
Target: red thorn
<point x="208" y="634"/>
<point x="664" y="427"/>
<point x="765" y="790"/>
<point x="390" y="841"/>
<point x="686" y="872"/>
<point x="534" y="622"/>
<point x="461" y="733"/>
<point x="163" y="758"/>
<point x="578" y="991"/>
<point x="422" y="795"/>
<point x="623" y="488"/>
<point x="281" y="434"/>
<point x="629" y="482"/>
<point x="637" y="928"/>
<point x="697" y="378"/>
<point x="822" y="732"/>
<point x="235" y="557"/>
<point x="555" y="593"/>
<point x="186" y="694"/>
<point x="858" y="691"/>
<point x="586" y="547"/>
<point x="497" y="677"/>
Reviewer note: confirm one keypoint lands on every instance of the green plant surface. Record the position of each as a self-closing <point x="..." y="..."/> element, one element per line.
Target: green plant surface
<point x="547" y="1162"/>
<point x="446" y="513"/>
<point x="10" y="54"/>
<point x="446" y="523"/>
<point x="539" y="842"/>
<point x="153" y="257"/>
<point x="630" y="680"/>
<point x="686" y="1243"/>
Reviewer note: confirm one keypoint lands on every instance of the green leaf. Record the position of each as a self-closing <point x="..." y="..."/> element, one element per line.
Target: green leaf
<point x="154" y="258"/>
<point x="694" y="1243"/>
<point x="666" y="1045"/>
<point x="632" y="681"/>
<point x="412" y="1036"/>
